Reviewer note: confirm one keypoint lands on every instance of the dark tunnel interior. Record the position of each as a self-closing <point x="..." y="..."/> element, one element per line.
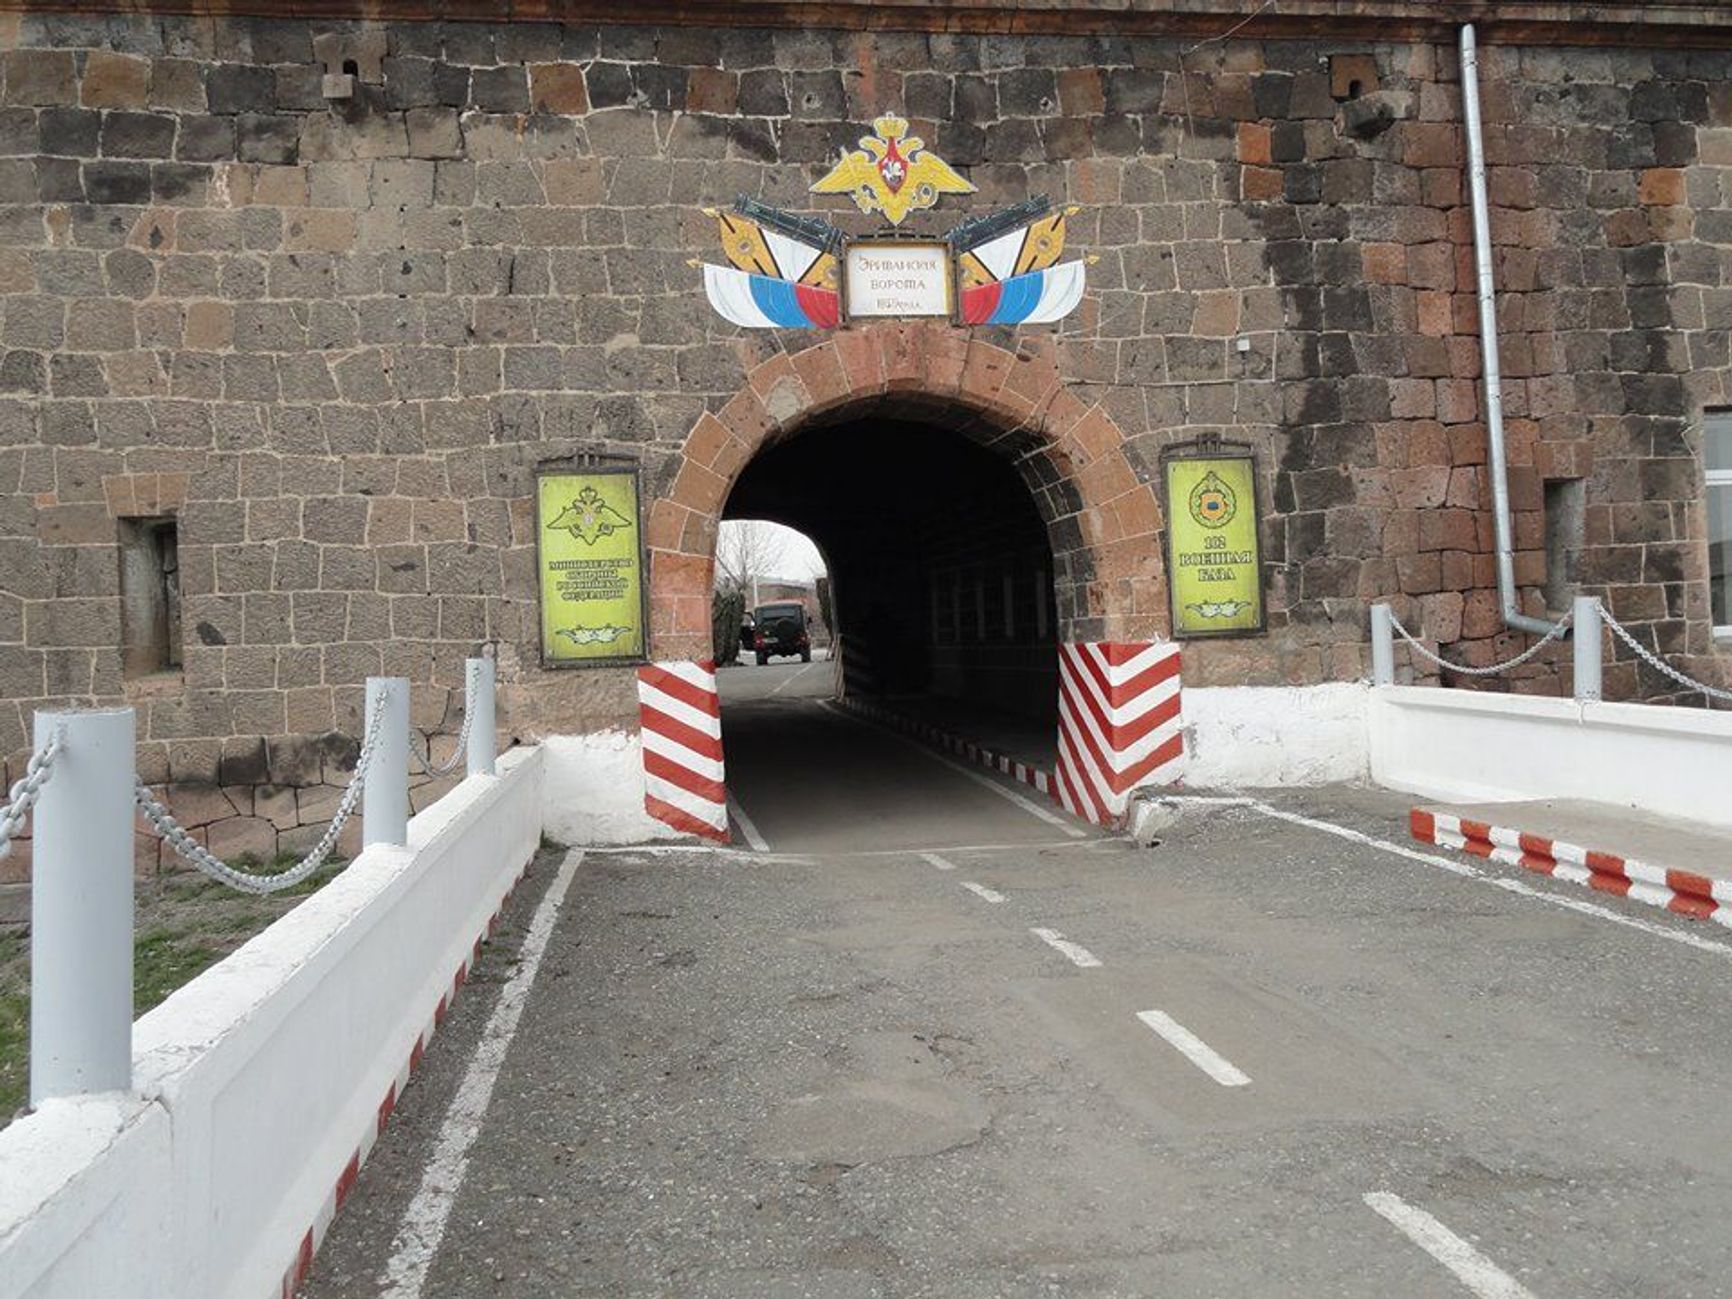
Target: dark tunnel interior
<point x="940" y="567"/>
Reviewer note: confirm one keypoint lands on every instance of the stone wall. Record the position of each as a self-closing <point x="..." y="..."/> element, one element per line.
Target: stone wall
<point x="335" y="341"/>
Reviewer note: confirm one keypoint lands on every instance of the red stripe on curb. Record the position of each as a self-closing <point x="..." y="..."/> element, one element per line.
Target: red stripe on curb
<point x="1684" y="893"/>
<point x="297" y="1272"/>
<point x="346" y="1182"/>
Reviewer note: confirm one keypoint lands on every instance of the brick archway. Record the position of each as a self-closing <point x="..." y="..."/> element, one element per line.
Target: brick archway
<point x="1102" y="518"/>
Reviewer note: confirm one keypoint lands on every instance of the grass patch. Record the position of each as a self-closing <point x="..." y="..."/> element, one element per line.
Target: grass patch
<point x="14" y="1025"/>
<point x="183" y="924"/>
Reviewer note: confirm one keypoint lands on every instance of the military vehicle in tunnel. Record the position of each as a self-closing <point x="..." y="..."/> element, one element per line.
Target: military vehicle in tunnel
<point x="780" y="630"/>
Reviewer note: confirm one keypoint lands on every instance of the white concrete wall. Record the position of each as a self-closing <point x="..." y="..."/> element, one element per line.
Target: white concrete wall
<point x="1265" y="736"/>
<point x="1461" y="746"/>
<point x="594" y="790"/>
<point x="259" y="1079"/>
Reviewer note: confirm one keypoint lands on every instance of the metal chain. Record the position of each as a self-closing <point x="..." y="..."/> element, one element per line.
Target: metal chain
<point x="1557" y="630"/>
<point x="202" y="859"/>
<point x="450" y="764"/>
<point x="1654" y="661"/>
<point x="25" y="791"/>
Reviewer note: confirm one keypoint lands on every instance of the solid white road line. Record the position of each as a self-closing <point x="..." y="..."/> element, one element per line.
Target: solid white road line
<point x="1519" y="887"/>
<point x="747" y="826"/>
<point x="978" y="777"/>
<point x="423" y="1222"/>
<point x="1194" y="1049"/>
<point x="1472" y="1268"/>
<point x="933" y="860"/>
<point x="794" y="676"/>
<point x="980" y="890"/>
<point x="1078" y="955"/>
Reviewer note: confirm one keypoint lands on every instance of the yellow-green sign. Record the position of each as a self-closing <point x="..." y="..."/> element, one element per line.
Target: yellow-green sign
<point x="591" y="555"/>
<point x="1214" y="569"/>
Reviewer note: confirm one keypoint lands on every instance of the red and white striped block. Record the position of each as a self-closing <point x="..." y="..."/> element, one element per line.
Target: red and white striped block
<point x="684" y="779"/>
<point x="1037" y="777"/>
<point x="296" y="1274"/>
<point x="1118" y="725"/>
<point x="1682" y="892"/>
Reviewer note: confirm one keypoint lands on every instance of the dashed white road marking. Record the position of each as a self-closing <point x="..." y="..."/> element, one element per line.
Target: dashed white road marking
<point x="747" y="826"/>
<point x="980" y="778"/>
<point x="1472" y="1268"/>
<point x="1077" y="954"/>
<point x="980" y="890"/>
<point x="423" y="1223"/>
<point x="1519" y="887"/>
<point x="1194" y="1049"/>
<point x="933" y="860"/>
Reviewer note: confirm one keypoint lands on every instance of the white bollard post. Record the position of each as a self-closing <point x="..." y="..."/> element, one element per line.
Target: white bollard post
<point x="480" y="681"/>
<point x="81" y="908"/>
<point x="1586" y="634"/>
<point x="1382" y="646"/>
<point x="385" y="795"/>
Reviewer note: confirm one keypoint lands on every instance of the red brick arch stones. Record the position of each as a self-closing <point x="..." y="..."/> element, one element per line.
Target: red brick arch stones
<point x="1016" y="400"/>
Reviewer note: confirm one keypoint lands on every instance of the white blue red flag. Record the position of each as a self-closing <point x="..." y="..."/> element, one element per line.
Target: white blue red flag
<point x="762" y="302"/>
<point x="1037" y="298"/>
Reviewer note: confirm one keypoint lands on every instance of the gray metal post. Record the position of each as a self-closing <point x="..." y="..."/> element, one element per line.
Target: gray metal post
<point x="483" y="744"/>
<point x="1587" y="647"/>
<point x="385" y="796"/>
<point x="81" y="908"/>
<point x="1382" y="646"/>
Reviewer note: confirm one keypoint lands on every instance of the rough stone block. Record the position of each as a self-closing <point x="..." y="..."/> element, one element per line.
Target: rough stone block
<point x="243" y="836"/>
<point x="114" y="80"/>
<point x="39" y="77"/>
<point x="556" y="88"/>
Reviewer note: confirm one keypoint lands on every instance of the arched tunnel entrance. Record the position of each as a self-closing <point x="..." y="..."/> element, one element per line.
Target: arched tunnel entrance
<point x="996" y="576"/>
<point x="940" y="568"/>
<point x="941" y="576"/>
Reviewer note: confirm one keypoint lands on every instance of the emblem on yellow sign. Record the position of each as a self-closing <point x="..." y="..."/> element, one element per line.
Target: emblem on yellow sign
<point x="892" y="172"/>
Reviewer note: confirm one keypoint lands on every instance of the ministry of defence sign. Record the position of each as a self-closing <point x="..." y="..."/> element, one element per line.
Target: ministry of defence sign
<point x="590" y="557"/>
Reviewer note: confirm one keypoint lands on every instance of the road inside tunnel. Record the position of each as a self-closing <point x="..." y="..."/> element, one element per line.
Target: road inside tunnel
<point x="942" y="576"/>
<point x="807" y="776"/>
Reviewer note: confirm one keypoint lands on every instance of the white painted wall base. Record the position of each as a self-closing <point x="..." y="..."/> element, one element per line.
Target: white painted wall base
<point x="594" y="788"/>
<point x="1264" y="736"/>
<point x="1467" y="747"/>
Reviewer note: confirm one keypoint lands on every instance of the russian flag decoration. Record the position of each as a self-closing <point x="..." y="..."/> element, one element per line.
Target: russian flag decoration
<point x="1037" y="298"/>
<point x="761" y="302"/>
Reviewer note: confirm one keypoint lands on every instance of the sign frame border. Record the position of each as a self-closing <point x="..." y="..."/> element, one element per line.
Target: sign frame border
<point x="951" y="297"/>
<point x="1214" y="448"/>
<point x="602" y="469"/>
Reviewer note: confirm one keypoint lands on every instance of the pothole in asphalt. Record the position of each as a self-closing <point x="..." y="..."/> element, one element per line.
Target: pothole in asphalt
<point x="864" y="1121"/>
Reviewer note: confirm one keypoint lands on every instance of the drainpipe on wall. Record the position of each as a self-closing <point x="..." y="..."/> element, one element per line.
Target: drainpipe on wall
<point x="1495" y="456"/>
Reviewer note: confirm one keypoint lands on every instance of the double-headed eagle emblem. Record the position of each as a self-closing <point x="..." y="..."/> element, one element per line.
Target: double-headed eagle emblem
<point x="892" y="172"/>
<point x="589" y="518"/>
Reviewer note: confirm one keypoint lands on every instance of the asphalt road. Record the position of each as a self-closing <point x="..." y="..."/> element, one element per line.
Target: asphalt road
<point x="804" y="776"/>
<point x="1260" y="1059"/>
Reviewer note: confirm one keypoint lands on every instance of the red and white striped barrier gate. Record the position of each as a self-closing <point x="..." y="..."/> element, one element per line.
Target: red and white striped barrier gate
<point x="684" y="780"/>
<point x="1118" y="725"/>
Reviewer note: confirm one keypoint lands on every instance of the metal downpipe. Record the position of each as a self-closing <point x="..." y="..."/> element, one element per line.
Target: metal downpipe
<point x="1496" y="455"/>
